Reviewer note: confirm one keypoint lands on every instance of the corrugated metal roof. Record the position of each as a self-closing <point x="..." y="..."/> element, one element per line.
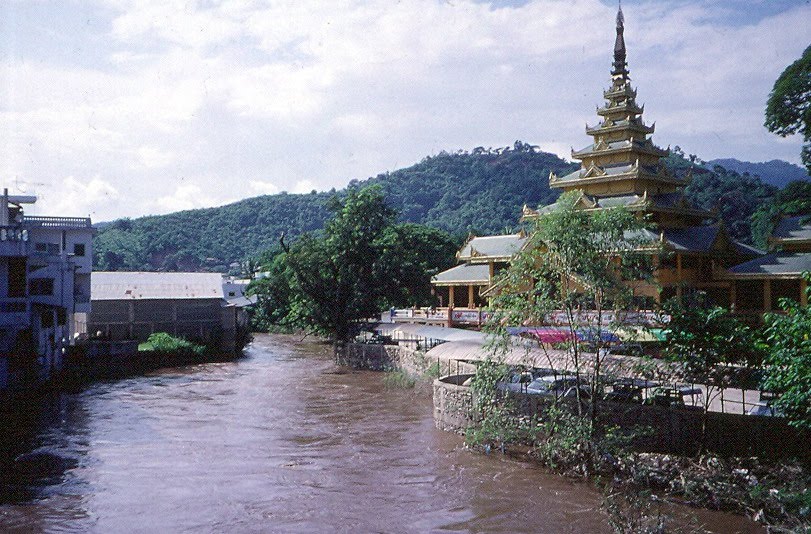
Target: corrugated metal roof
<point x="499" y="246"/>
<point x="469" y="273"/>
<point x="142" y="285"/>
<point x="431" y="332"/>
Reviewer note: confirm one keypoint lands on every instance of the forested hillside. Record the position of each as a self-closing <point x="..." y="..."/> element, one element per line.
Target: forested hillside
<point x="480" y="191"/>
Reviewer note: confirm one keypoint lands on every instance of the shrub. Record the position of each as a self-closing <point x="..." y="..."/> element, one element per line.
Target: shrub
<point x="163" y="342"/>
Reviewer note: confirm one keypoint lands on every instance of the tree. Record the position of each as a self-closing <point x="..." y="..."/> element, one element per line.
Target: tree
<point x="273" y="292"/>
<point x="589" y="266"/>
<point x="710" y="343"/>
<point x="359" y="265"/>
<point x="788" y="360"/>
<point x="337" y="277"/>
<point x="788" y="109"/>
<point x="410" y="255"/>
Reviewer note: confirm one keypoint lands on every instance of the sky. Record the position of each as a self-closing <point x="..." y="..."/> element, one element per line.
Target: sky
<point x="123" y="108"/>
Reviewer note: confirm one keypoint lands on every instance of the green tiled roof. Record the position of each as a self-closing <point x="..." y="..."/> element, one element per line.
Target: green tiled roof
<point x="793" y="228"/>
<point x="778" y="264"/>
<point x="496" y="246"/>
<point x="466" y="273"/>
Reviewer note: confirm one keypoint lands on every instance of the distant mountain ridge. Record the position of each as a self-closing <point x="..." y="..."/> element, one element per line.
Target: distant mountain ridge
<point x="775" y="172"/>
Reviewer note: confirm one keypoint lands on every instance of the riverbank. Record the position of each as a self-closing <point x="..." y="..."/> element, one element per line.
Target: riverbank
<point x="773" y="494"/>
<point x="97" y="360"/>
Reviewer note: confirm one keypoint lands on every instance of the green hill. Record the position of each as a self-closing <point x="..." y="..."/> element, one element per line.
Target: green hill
<point x="481" y="191"/>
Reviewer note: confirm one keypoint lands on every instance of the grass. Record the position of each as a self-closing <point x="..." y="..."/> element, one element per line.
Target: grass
<point x="399" y="380"/>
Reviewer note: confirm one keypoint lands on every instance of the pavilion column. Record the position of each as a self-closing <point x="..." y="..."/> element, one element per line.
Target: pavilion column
<point x="471" y="302"/>
<point x="732" y="295"/>
<point x="678" y="276"/>
<point x="450" y="297"/>
<point x="803" y="292"/>
<point x="767" y="295"/>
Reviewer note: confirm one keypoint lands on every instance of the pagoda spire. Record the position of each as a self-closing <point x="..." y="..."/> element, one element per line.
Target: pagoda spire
<point x="620" y="69"/>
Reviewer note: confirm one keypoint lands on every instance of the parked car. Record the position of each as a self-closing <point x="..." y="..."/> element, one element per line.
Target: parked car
<point x="629" y="390"/>
<point x="673" y="396"/>
<point x="624" y="349"/>
<point x="557" y="385"/>
<point x="764" y="409"/>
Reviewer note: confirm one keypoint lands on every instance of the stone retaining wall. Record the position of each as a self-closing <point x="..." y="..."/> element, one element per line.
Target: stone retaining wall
<point x="406" y="358"/>
<point x="671" y="430"/>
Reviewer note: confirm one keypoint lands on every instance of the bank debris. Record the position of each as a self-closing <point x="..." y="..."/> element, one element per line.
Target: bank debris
<point x="774" y="494"/>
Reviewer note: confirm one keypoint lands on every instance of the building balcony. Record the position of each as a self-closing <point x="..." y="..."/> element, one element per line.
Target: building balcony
<point x="36" y="221"/>
<point x="13" y="241"/>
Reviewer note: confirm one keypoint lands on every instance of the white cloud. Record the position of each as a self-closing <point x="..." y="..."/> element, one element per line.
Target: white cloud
<point x="184" y="197"/>
<point x="75" y="197"/>
<point x="303" y="186"/>
<point x="260" y="187"/>
<point x="239" y="91"/>
<point x="154" y="158"/>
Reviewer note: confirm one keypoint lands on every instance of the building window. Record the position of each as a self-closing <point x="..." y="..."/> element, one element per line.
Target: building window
<point x="41" y="286"/>
<point x="78" y="249"/>
<point x="47" y="248"/>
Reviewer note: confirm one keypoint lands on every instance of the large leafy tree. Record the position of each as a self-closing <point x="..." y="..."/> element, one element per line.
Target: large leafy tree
<point x="788" y="369"/>
<point x="588" y="266"/>
<point x="409" y="255"/>
<point x="338" y="279"/>
<point x="711" y="344"/>
<point x="362" y="262"/>
<point x="788" y="109"/>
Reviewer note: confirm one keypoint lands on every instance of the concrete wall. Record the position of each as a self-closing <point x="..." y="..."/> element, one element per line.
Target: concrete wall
<point x="403" y="356"/>
<point x="671" y="430"/>
<point x="196" y="319"/>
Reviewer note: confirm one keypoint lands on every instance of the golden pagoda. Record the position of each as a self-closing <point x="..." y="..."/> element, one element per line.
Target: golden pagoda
<point x="623" y="168"/>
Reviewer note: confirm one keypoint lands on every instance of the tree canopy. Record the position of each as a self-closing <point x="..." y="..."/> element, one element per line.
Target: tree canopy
<point x="362" y="262"/>
<point x="788" y="369"/>
<point x="788" y="109"/>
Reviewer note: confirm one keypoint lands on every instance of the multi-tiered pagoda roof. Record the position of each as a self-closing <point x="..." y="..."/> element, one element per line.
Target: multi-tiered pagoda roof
<point x="622" y="166"/>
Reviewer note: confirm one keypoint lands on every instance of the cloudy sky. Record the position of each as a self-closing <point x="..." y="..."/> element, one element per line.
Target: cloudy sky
<point x="129" y="107"/>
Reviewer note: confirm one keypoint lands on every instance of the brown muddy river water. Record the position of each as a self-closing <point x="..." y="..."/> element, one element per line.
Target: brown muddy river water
<point x="275" y="442"/>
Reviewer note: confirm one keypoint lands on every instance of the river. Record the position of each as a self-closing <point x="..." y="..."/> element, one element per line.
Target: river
<point x="278" y="441"/>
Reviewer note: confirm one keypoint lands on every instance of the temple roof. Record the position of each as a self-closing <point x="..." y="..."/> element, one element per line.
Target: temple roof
<point x="492" y="247"/>
<point x="796" y="228"/>
<point x="699" y="239"/>
<point x="466" y="273"/>
<point x="620" y="69"/>
<point x="624" y="124"/>
<point x="646" y="147"/>
<point x="609" y="171"/>
<point x="779" y="264"/>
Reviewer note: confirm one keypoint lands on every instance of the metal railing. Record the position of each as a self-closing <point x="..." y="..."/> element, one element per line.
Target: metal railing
<point x="36" y="221"/>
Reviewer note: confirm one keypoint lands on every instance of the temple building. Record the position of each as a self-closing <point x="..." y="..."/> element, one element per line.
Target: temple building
<point x="623" y="167"/>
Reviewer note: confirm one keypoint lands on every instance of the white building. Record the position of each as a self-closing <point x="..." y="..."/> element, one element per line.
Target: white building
<point x="45" y="266"/>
